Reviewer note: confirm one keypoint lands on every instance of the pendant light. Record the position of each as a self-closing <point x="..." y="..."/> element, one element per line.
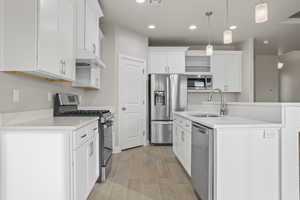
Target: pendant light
<point x="209" y="47"/>
<point x="261" y="12"/>
<point x="227" y="35"/>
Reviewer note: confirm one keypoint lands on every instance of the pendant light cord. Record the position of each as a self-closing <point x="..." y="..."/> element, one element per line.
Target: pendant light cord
<point x="227" y="12"/>
<point x="208" y="14"/>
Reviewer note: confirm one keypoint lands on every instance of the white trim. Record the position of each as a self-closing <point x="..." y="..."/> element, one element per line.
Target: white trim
<point x="130" y="58"/>
<point x="116" y="149"/>
<point x="168" y="49"/>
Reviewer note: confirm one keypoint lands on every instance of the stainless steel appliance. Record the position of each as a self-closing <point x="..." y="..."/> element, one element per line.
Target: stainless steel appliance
<point x="202" y="82"/>
<point x="67" y="105"/>
<point x="167" y="93"/>
<point x="203" y="161"/>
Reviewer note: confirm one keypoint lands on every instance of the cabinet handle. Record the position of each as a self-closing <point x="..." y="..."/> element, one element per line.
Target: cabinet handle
<point x="61" y="66"/>
<point x="94" y="49"/>
<point x="83" y="136"/>
<point x="91" y="149"/>
<point x="64" y="67"/>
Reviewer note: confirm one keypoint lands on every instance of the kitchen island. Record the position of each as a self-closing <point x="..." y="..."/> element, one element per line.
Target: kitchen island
<point x="229" y="158"/>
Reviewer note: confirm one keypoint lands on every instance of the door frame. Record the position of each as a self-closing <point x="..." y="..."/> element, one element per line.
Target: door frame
<point x="144" y="125"/>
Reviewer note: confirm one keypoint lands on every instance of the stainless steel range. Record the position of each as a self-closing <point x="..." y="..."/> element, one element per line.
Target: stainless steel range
<point x="67" y="105"/>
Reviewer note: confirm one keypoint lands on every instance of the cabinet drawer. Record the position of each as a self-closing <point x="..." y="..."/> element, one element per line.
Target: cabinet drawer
<point x="184" y="123"/>
<point x="84" y="133"/>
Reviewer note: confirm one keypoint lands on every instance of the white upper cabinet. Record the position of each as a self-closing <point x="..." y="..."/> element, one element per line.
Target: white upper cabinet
<point x="89" y="34"/>
<point x="41" y="41"/>
<point x="226" y="68"/>
<point x="165" y="60"/>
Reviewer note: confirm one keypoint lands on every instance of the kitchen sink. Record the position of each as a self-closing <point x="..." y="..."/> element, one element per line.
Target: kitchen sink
<point x="204" y="115"/>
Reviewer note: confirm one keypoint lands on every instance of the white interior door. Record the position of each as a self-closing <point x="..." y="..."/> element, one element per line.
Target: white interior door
<point x="132" y="94"/>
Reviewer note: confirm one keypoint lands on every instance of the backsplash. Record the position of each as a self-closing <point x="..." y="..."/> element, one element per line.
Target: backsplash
<point x="33" y="92"/>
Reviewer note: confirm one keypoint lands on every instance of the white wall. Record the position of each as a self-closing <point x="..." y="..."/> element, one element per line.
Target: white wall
<point x="197" y="98"/>
<point x="289" y="78"/>
<point x="117" y="41"/>
<point x="33" y="92"/>
<point x="266" y="78"/>
<point x="247" y="94"/>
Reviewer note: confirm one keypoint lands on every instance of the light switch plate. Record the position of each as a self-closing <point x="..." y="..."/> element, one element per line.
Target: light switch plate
<point x="16" y="96"/>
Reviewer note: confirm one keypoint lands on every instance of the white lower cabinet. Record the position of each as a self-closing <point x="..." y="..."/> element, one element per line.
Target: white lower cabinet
<point x="182" y="142"/>
<point x="86" y="162"/>
<point x="80" y="169"/>
<point x="49" y="163"/>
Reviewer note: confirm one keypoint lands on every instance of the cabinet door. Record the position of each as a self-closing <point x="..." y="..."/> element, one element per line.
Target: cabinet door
<point x="181" y="145"/>
<point x="81" y="175"/>
<point x="175" y="140"/>
<point x="188" y="151"/>
<point x="93" y="164"/>
<point x="67" y="38"/>
<point x="233" y="69"/>
<point x="92" y="29"/>
<point x="48" y="36"/>
<point x="218" y="71"/>
<point x="176" y="62"/>
<point x="158" y="62"/>
<point x="226" y="70"/>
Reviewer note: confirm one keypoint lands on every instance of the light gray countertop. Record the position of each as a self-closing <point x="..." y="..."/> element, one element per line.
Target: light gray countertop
<point x="52" y="123"/>
<point x="227" y="121"/>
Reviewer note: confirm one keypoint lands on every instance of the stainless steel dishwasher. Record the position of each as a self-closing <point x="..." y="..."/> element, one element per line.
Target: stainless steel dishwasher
<point x="202" y="161"/>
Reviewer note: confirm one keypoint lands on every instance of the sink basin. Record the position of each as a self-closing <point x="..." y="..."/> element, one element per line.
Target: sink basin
<point x="204" y="115"/>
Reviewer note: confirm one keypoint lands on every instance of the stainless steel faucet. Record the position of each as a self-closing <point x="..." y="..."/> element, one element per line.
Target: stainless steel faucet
<point x="222" y="103"/>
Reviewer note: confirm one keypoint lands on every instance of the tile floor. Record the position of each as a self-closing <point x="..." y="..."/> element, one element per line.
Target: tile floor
<point x="146" y="173"/>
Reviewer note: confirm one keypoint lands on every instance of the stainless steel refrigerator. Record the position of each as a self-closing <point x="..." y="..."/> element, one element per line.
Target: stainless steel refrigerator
<point x="167" y="93"/>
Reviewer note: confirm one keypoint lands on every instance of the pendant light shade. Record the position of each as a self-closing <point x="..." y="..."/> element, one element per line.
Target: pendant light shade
<point x="227" y="36"/>
<point x="209" y="50"/>
<point x="261" y="13"/>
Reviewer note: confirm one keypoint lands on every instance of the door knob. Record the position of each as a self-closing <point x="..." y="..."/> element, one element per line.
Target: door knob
<point x="123" y="108"/>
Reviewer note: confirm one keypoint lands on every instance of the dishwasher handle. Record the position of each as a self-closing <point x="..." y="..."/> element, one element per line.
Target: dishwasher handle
<point x="201" y="129"/>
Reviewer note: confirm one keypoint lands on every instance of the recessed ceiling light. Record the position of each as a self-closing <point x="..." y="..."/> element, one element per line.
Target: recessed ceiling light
<point x="233" y="27"/>
<point x="193" y="27"/>
<point x="140" y="1"/>
<point x="266" y="42"/>
<point x="151" y="26"/>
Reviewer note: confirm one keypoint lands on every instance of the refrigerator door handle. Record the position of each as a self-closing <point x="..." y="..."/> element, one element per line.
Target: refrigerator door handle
<point x="168" y="97"/>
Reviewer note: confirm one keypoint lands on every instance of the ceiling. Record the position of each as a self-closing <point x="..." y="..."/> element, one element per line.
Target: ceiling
<point x="173" y="18"/>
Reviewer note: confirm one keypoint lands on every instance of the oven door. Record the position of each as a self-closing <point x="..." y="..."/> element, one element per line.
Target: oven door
<point x="107" y="142"/>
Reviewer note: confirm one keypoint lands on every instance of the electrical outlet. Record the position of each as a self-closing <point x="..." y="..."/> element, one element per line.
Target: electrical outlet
<point x="49" y="96"/>
<point x="16" y="96"/>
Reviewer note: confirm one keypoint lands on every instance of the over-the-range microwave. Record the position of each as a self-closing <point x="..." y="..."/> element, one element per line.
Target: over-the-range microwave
<point x="200" y="82"/>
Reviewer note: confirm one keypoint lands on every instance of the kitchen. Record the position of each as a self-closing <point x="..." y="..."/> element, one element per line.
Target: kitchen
<point x="79" y="99"/>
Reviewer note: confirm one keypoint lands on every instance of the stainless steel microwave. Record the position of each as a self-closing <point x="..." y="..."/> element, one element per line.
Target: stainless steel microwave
<point x="201" y="82"/>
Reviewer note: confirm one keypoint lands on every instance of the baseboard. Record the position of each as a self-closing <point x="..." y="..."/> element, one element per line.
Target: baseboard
<point x="116" y="149"/>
